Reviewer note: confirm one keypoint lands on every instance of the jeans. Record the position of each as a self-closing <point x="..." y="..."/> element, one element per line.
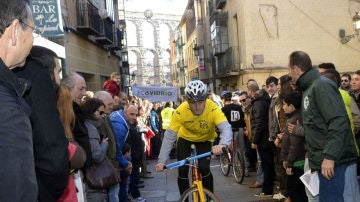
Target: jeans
<point x="124" y="186"/>
<point x="259" y="172"/>
<point x="332" y="190"/>
<point x="311" y="198"/>
<point x="113" y="193"/>
<point x="351" y="187"/>
<point x="134" y="181"/>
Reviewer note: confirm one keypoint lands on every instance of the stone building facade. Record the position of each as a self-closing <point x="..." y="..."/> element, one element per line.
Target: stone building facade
<point x="93" y="40"/>
<point x="253" y="38"/>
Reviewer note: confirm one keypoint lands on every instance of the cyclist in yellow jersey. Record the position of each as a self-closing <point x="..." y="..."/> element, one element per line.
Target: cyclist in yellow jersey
<point x="194" y="122"/>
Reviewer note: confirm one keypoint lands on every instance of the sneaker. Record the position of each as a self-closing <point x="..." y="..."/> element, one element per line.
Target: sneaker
<point x="278" y="196"/>
<point x="140" y="199"/>
<point x="262" y="195"/>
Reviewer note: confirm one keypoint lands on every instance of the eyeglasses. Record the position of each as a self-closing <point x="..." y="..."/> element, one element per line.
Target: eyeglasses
<point x="35" y="29"/>
<point x="101" y="112"/>
<point x="344" y="80"/>
<point x="243" y="100"/>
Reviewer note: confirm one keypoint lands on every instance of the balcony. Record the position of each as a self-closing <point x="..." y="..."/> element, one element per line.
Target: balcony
<point x="229" y="63"/>
<point x="220" y="4"/>
<point x="106" y="34"/>
<point x="117" y="45"/>
<point x="87" y="18"/>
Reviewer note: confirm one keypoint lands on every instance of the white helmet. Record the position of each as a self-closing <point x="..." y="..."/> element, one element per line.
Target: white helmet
<point x="195" y="91"/>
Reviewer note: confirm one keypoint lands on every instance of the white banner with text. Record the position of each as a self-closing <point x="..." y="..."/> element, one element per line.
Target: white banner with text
<point x="156" y="93"/>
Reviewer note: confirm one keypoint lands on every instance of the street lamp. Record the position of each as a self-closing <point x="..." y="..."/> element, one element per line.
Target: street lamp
<point x="356" y="20"/>
<point x="196" y="50"/>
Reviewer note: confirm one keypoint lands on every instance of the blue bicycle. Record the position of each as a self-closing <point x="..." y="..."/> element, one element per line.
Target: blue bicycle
<point x="196" y="193"/>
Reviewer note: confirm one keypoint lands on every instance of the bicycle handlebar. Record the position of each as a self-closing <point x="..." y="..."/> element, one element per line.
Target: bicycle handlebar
<point x="187" y="160"/>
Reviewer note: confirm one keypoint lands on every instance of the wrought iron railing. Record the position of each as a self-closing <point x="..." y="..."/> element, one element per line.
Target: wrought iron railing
<point x="87" y="18"/>
<point x="230" y="61"/>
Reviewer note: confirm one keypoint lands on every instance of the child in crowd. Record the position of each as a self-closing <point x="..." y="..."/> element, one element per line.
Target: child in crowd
<point x="124" y="175"/>
<point x="293" y="149"/>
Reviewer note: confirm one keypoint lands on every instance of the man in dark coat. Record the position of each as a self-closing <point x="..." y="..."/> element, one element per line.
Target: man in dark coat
<point x="259" y="120"/>
<point x="17" y="170"/>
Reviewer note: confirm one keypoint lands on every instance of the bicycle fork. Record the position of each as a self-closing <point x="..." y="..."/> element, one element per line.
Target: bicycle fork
<point x="196" y="177"/>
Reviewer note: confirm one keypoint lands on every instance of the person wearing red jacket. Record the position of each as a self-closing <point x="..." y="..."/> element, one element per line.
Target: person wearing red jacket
<point x="113" y="84"/>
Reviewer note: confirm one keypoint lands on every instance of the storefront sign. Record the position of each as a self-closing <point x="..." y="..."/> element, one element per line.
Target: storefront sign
<point x="47" y="17"/>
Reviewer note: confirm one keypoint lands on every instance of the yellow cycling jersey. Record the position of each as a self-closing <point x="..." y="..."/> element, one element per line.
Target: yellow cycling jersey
<point x="195" y="128"/>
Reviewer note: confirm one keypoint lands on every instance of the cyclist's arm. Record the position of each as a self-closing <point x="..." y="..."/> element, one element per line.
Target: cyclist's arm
<point x="167" y="144"/>
<point x="225" y="133"/>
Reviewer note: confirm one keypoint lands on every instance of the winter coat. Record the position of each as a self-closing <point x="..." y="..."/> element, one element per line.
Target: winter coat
<point x="98" y="148"/>
<point x="106" y="128"/>
<point x="326" y="125"/>
<point x="17" y="172"/>
<point x="259" y="119"/>
<point x="121" y="130"/>
<point x="134" y="139"/>
<point x="292" y="146"/>
<point x="80" y="133"/>
<point x="112" y="87"/>
<point x="50" y="143"/>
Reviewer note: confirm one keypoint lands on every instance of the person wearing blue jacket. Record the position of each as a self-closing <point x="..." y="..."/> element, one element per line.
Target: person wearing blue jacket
<point x="120" y="120"/>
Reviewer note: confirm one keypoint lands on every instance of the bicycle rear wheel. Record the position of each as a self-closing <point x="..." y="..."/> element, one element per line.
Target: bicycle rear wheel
<point x="224" y="164"/>
<point x="239" y="167"/>
<point x="188" y="195"/>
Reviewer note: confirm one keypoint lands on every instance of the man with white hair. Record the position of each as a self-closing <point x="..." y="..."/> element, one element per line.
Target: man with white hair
<point x="77" y="85"/>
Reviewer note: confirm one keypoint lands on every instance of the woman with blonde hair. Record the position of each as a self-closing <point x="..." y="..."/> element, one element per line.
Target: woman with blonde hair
<point x="76" y="153"/>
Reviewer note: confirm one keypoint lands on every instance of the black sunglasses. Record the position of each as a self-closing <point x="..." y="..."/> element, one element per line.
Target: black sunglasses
<point x="243" y="100"/>
<point x="344" y="80"/>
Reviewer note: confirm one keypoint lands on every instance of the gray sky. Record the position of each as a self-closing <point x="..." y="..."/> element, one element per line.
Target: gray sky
<point x="157" y="6"/>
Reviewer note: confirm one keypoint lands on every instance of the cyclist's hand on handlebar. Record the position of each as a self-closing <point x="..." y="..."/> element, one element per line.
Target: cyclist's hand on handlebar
<point x="217" y="149"/>
<point x="159" y="167"/>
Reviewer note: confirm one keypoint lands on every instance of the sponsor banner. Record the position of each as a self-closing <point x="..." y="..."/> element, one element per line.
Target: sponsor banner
<point x="156" y="93"/>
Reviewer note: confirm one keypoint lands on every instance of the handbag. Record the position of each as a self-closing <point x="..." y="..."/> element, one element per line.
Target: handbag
<point x="102" y="175"/>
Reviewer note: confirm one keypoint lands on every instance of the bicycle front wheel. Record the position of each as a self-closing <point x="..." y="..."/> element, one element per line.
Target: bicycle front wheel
<point x="224" y="164"/>
<point x="192" y="195"/>
<point x="239" y="167"/>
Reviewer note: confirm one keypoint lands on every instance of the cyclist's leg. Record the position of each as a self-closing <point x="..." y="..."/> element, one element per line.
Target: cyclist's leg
<point x="182" y="153"/>
<point x="204" y="165"/>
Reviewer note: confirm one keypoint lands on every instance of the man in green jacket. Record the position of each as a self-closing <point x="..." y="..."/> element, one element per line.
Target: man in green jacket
<point x="331" y="148"/>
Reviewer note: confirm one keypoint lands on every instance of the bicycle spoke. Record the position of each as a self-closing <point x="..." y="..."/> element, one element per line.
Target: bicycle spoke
<point x="239" y="167"/>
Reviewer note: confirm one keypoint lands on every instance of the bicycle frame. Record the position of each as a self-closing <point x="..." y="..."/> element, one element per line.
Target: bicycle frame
<point x="233" y="160"/>
<point x="196" y="176"/>
<point x="186" y="161"/>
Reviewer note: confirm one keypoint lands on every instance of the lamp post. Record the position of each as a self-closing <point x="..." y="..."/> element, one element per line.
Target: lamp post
<point x="356" y="21"/>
